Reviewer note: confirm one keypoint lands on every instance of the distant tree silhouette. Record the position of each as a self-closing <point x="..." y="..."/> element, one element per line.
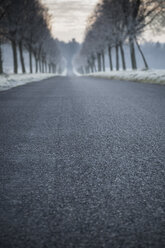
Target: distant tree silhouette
<point x="68" y="51"/>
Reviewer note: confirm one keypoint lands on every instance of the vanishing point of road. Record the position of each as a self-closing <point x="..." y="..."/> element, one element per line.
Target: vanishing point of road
<point x="82" y="164"/>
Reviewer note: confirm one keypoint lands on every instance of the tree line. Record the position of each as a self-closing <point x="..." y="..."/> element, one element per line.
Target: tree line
<point x="26" y="25"/>
<point x="113" y="24"/>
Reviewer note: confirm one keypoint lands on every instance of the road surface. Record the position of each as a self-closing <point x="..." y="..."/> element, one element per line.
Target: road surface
<point x="82" y="164"/>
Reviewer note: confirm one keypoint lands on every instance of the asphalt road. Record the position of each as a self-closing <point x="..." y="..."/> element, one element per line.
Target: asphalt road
<point x="82" y="164"/>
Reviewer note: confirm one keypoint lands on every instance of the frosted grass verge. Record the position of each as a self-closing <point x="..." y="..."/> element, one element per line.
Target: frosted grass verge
<point x="8" y="81"/>
<point x="150" y="76"/>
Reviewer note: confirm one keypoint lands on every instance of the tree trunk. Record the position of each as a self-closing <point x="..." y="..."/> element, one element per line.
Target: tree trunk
<point x="53" y="68"/>
<point x="1" y="60"/>
<point x="99" y="61"/>
<point x="15" y="61"/>
<point x="122" y="56"/>
<point x="92" y="68"/>
<point x="94" y="65"/>
<point x="110" y="58"/>
<point x="81" y="70"/>
<point x="142" y="54"/>
<point x="40" y="67"/>
<point x="103" y="59"/>
<point x="117" y="57"/>
<point x="36" y="62"/>
<point x="21" y="57"/>
<point x="87" y="71"/>
<point x="45" y="66"/>
<point x="30" y="60"/>
<point x="132" y="53"/>
<point x="90" y="65"/>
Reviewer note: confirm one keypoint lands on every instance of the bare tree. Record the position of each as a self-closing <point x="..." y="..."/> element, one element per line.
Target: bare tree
<point x="4" y="5"/>
<point x="11" y="26"/>
<point x="30" y="30"/>
<point x="115" y="22"/>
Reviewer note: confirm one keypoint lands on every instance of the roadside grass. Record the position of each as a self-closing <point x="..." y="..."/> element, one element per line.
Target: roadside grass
<point x="142" y="76"/>
<point x="8" y="81"/>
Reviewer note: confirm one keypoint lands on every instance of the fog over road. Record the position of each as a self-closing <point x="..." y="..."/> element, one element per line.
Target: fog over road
<point x="82" y="164"/>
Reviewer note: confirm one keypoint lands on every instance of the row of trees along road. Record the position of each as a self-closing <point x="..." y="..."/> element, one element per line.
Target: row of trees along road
<point x="26" y="25"/>
<point x="113" y="24"/>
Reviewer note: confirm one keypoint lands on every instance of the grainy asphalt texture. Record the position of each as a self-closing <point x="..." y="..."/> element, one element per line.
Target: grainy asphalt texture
<point x="82" y="164"/>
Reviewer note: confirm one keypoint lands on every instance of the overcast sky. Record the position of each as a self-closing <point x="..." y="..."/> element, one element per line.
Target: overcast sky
<point x="69" y="18"/>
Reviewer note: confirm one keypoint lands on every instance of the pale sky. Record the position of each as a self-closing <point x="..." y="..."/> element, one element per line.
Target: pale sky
<point x="69" y="19"/>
